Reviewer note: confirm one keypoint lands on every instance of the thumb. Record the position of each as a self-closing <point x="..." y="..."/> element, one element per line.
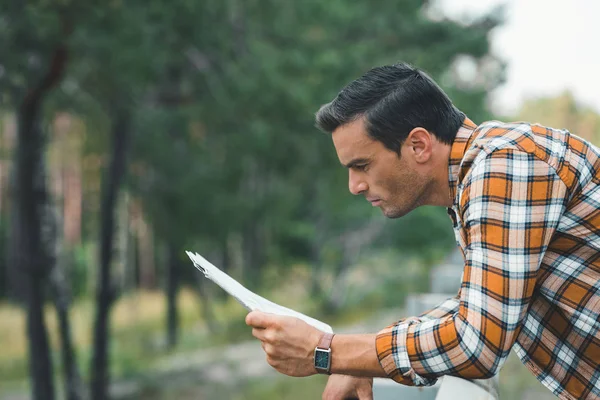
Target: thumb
<point x="259" y="319"/>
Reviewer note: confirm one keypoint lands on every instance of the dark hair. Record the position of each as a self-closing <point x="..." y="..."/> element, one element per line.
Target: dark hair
<point x="394" y="99"/>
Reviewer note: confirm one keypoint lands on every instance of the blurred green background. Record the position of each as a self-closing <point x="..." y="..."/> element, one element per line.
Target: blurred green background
<point x="131" y="131"/>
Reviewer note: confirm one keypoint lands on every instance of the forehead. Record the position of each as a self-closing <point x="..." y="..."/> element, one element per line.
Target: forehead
<point x="352" y="141"/>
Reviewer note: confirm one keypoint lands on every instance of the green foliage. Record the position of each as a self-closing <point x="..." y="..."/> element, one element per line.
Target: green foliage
<point x="426" y="232"/>
<point x="4" y="290"/>
<point x="243" y="156"/>
<point x="31" y="32"/>
<point x="221" y="95"/>
<point x="78" y="261"/>
<point x="563" y="112"/>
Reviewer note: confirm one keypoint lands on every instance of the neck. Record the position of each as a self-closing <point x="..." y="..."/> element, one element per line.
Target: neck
<point x="439" y="193"/>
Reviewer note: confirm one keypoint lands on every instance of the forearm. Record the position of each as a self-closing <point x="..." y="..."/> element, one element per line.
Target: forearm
<point x="355" y="355"/>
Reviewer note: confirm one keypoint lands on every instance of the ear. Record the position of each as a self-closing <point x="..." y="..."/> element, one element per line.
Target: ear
<point x="420" y="144"/>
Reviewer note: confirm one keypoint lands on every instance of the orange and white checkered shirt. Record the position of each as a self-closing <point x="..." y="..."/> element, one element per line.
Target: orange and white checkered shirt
<point x="526" y="215"/>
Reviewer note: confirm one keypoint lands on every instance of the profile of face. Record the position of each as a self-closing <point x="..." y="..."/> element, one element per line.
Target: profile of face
<point x="396" y="183"/>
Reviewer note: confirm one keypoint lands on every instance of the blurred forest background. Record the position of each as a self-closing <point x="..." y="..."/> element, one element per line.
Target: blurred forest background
<point x="131" y="131"/>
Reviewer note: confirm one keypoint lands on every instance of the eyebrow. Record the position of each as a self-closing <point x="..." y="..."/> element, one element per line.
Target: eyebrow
<point x="356" y="161"/>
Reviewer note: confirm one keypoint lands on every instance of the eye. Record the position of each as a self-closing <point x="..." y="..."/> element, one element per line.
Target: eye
<point x="361" y="167"/>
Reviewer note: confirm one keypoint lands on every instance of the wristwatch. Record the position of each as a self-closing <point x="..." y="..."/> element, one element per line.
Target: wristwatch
<point x="322" y="358"/>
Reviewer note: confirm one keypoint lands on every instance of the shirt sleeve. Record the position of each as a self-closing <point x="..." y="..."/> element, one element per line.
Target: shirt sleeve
<point x="442" y="310"/>
<point x="510" y="207"/>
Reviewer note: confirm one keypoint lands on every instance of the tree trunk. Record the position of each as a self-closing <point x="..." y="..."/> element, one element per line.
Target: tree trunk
<point x="3" y="259"/>
<point x="105" y="293"/>
<point x="40" y="364"/>
<point x="4" y="163"/>
<point x="172" y="288"/>
<point x="254" y="255"/>
<point x="60" y="170"/>
<point x="73" y="384"/>
<point x="207" y="313"/>
<point x="30" y="259"/>
<point x="146" y="254"/>
<point x="316" y="257"/>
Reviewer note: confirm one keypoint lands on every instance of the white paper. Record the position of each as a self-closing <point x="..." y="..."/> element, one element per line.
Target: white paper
<point x="249" y="299"/>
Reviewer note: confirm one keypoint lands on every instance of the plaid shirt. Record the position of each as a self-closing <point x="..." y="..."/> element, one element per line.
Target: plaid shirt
<point x="526" y="216"/>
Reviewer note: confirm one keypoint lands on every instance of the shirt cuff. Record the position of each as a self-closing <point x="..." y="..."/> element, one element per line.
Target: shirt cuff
<point x="393" y="355"/>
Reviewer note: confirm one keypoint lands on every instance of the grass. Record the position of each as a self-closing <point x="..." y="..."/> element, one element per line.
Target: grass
<point x="138" y="327"/>
<point x="137" y="320"/>
<point x="284" y="389"/>
<point x="137" y="323"/>
<point x="137" y="343"/>
<point x="280" y="388"/>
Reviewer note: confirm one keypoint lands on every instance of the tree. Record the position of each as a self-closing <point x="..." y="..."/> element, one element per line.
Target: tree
<point x="120" y="56"/>
<point x="255" y="169"/>
<point x="34" y="58"/>
<point x="563" y="112"/>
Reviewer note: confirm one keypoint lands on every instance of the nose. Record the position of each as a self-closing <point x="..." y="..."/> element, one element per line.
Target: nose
<point x="356" y="183"/>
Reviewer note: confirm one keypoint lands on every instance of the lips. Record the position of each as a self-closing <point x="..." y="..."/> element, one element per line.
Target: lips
<point x="374" y="202"/>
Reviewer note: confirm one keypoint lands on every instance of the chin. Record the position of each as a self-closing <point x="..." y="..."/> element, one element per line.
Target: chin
<point x="392" y="214"/>
<point x="395" y="212"/>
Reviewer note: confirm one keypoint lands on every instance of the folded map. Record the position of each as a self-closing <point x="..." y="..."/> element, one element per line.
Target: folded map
<point x="247" y="298"/>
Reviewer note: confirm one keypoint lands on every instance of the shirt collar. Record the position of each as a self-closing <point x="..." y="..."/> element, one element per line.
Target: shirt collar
<point x="461" y="142"/>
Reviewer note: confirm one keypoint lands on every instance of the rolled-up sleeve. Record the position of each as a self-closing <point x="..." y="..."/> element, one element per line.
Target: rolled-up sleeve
<point x="510" y="206"/>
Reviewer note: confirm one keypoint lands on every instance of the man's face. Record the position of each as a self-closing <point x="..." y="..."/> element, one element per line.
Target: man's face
<point x="387" y="180"/>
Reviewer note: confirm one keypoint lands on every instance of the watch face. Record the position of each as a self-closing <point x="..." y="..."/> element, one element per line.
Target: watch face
<point x="322" y="359"/>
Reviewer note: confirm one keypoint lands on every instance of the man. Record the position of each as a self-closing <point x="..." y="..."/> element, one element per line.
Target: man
<point x="525" y="204"/>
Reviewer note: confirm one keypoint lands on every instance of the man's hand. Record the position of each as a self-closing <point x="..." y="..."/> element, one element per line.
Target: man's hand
<point x="345" y="387"/>
<point x="288" y="342"/>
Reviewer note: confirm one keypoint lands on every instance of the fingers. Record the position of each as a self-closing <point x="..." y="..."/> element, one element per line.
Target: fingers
<point x="258" y="319"/>
<point x="348" y="388"/>
<point x="365" y="396"/>
<point x="259" y="333"/>
<point x="339" y="396"/>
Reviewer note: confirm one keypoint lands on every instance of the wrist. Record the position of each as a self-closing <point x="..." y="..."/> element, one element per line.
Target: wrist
<point x="322" y="358"/>
<point x="356" y="355"/>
